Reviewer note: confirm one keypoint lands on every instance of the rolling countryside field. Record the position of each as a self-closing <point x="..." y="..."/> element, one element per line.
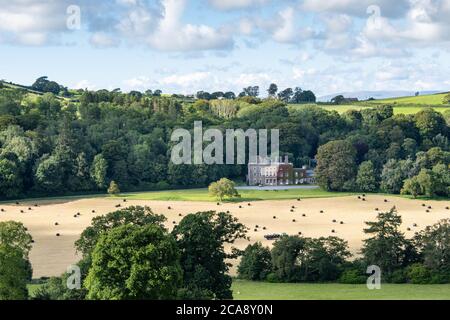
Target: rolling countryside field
<point x="249" y="290"/>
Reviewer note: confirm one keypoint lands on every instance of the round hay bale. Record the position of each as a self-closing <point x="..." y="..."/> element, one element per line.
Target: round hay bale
<point x="424" y="205"/>
<point x="256" y="230"/>
<point x="228" y="211"/>
<point x="169" y="207"/>
<point x="303" y="215"/>
<point x="409" y="229"/>
<point x="75" y="216"/>
<point x="93" y="211"/>
<point x="299" y="233"/>
<point x="32" y="241"/>
<point x="124" y="200"/>
<point x="274" y="217"/>
<point x="364" y="195"/>
<point x="174" y="222"/>
<point x="21" y="211"/>
<point x="256" y="226"/>
<point x="298" y="199"/>
<point x="58" y="235"/>
<point x="321" y="211"/>
<point x="17" y="202"/>
<point x="293" y="220"/>
<point x="364" y="199"/>
<point x="447" y="208"/>
<point x="429" y="207"/>
<point x="333" y="231"/>
<point x="293" y="207"/>
<point x="292" y="210"/>
<point x="385" y="200"/>
<point x="342" y="222"/>
<point x="218" y="203"/>
<point x="427" y="211"/>
<point x="334" y="221"/>
<point x="56" y="224"/>
<point x="359" y="197"/>
<point x="240" y="207"/>
<point x="180" y="215"/>
<point x="3" y="210"/>
<point x="264" y="228"/>
<point x="29" y="209"/>
<point x="415" y="225"/>
<point x="376" y="209"/>
<point x="36" y="205"/>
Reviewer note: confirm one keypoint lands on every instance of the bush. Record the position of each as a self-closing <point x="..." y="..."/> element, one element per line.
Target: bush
<point x="352" y="276"/>
<point x="398" y="276"/>
<point x="418" y="274"/>
<point x="273" y="278"/>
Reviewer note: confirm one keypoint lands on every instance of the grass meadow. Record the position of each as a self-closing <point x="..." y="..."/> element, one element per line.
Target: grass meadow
<point x="249" y="290"/>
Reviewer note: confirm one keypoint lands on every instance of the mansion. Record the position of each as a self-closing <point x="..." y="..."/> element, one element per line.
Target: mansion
<point x="267" y="172"/>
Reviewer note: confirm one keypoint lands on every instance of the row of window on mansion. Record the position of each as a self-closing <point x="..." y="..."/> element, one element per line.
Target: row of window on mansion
<point x="278" y="172"/>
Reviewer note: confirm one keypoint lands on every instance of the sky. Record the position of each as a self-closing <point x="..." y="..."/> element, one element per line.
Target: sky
<point x="183" y="46"/>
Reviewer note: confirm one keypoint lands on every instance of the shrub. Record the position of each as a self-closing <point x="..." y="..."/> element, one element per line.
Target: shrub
<point x="352" y="276"/>
<point x="113" y="188"/>
<point x="418" y="274"/>
<point x="398" y="276"/>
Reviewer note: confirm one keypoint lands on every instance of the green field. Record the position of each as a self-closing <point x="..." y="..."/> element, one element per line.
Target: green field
<point x="248" y="290"/>
<point x="404" y="109"/>
<point x="432" y="99"/>
<point x="246" y="195"/>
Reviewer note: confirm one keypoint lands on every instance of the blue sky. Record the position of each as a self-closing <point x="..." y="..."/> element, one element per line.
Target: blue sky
<point x="182" y="46"/>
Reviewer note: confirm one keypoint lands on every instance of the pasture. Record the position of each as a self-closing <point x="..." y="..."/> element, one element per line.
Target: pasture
<point x="341" y="216"/>
<point x="249" y="290"/>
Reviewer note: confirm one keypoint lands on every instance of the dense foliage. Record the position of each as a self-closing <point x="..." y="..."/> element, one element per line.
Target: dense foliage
<point x="50" y="145"/>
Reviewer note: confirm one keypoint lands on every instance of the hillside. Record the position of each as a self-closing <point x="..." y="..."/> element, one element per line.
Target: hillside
<point x="431" y="99"/>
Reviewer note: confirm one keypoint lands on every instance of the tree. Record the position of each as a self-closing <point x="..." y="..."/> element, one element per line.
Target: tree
<point x="14" y="234"/>
<point x="386" y="245"/>
<point x="14" y="273"/>
<point x="201" y="238"/>
<point x="286" y="95"/>
<point x="255" y="264"/>
<point x="338" y="99"/>
<point x="10" y="179"/>
<point x="412" y="187"/>
<point x="336" y="165"/>
<point x="222" y="189"/>
<point x="366" y="178"/>
<point x="446" y="99"/>
<point x="134" y="263"/>
<point x="99" y="170"/>
<point x="113" y="188"/>
<point x="49" y="175"/>
<point x="251" y="91"/>
<point x="430" y="123"/>
<point x="273" y="89"/>
<point x="394" y="174"/>
<point x="286" y="253"/>
<point x="139" y="216"/>
<point x="434" y="247"/>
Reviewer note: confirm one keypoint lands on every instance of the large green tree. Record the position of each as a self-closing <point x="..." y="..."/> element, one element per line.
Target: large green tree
<point x="336" y="166"/>
<point x="201" y="238"/>
<point x="134" y="262"/>
<point x="255" y="263"/>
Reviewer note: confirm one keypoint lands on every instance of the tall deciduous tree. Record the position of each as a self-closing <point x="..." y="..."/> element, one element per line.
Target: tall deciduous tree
<point x="134" y="262"/>
<point x="201" y="238"/>
<point x="336" y="165"/>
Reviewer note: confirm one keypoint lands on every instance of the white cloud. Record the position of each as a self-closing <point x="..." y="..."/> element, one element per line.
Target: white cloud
<point x="103" y="40"/>
<point x="172" y="35"/>
<point x="237" y="4"/>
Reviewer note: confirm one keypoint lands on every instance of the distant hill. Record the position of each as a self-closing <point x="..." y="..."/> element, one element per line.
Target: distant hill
<point x="430" y="99"/>
<point x="365" y="95"/>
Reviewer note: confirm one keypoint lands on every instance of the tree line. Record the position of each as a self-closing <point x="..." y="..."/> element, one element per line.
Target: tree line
<point x="50" y="146"/>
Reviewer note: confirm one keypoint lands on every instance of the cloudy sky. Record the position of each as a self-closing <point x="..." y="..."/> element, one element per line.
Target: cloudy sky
<point x="182" y="46"/>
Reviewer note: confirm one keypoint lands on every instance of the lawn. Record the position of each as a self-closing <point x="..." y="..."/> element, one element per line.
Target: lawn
<point x="248" y="290"/>
<point x="246" y="195"/>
